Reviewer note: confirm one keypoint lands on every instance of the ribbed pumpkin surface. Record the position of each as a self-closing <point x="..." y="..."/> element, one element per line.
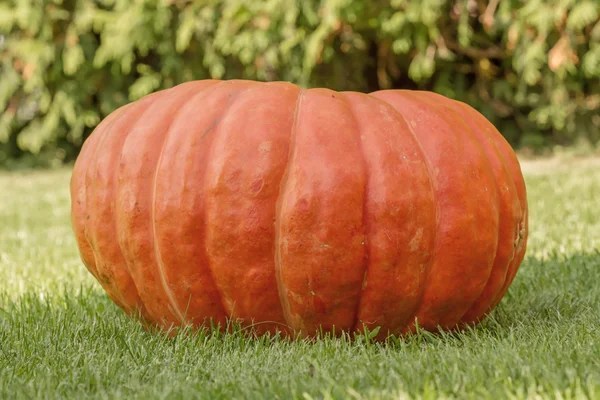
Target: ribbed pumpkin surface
<point x="300" y="210"/>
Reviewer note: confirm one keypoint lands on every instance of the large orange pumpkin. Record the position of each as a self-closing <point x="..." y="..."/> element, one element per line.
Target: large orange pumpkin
<point x="300" y="210"/>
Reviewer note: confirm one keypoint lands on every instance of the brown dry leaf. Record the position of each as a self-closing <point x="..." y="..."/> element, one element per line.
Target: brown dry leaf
<point x="513" y="37"/>
<point x="72" y="40"/>
<point x="560" y="54"/>
<point x="28" y="71"/>
<point x="262" y="22"/>
<point x="488" y="18"/>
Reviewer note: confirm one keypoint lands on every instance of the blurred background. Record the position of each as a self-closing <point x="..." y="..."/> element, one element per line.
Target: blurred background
<point x="531" y="67"/>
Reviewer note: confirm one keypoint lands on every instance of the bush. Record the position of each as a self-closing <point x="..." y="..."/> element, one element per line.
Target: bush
<point x="532" y="67"/>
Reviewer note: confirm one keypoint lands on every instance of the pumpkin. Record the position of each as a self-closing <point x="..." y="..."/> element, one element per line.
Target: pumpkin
<point x="301" y="211"/>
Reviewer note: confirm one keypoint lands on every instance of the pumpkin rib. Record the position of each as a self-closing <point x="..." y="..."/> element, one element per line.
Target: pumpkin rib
<point x="447" y="294"/>
<point x="248" y="158"/>
<point x="497" y="207"/>
<point x="78" y="203"/>
<point x="181" y="196"/>
<point x="495" y="201"/>
<point x="512" y="164"/>
<point x="157" y="253"/>
<point x="410" y="320"/>
<point x="399" y="236"/>
<point x="156" y="96"/>
<point x="133" y="207"/>
<point x="324" y="185"/>
<point x="160" y="265"/>
<point x="228" y="306"/>
<point x="507" y="214"/>
<point x="514" y="266"/>
<point x="115" y="295"/>
<point x="489" y="150"/>
<point x="79" y="209"/>
<point x="104" y="224"/>
<point x="365" y="222"/>
<point x="413" y="319"/>
<point x="159" y="261"/>
<point x="476" y="311"/>
<point x="281" y="288"/>
<point x="521" y="240"/>
<point x="515" y="263"/>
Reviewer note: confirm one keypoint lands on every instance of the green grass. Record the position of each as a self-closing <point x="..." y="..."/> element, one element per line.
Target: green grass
<point x="60" y="336"/>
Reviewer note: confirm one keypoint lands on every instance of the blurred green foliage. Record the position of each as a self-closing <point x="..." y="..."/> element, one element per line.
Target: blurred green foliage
<point x="532" y="67"/>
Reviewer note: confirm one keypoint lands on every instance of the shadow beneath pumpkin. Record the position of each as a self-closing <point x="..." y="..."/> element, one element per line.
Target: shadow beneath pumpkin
<point x="546" y="292"/>
<point x="90" y="313"/>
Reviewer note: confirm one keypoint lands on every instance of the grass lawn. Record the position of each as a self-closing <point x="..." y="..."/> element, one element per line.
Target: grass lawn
<point x="61" y="337"/>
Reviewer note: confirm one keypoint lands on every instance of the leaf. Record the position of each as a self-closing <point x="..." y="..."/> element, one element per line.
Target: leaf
<point x="421" y="68"/>
<point x="185" y="30"/>
<point x="10" y="84"/>
<point x="583" y="14"/>
<point x="402" y="45"/>
<point x="144" y="85"/>
<point x="7" y="18"/>
<point x="73" y="58"/>
<point x="591" y="62"/>
<point x="5" y="122"/>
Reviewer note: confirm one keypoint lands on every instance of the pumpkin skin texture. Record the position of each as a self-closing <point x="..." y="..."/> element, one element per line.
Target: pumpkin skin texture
<point x="300" y="210"/>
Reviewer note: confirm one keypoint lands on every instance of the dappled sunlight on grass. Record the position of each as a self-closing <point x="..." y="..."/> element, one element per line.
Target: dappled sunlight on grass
<point x="38" y="250"/>
<point x="564" y="209"/>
